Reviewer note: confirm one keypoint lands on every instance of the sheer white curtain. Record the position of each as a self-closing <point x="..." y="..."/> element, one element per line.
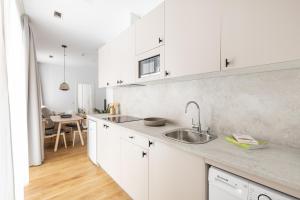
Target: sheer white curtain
<point x="34" y="119"/>
<point x="6" y="160"/>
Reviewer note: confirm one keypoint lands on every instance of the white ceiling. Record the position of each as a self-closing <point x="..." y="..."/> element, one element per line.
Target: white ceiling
<point x="84" y="27"/>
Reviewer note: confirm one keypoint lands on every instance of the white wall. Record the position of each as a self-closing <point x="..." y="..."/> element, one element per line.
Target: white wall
<point x="65" y="101"/>
<point x="265" y="105"/>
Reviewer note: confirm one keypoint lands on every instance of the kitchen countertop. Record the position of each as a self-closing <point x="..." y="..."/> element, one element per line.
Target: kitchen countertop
<point x="276" y="166"/>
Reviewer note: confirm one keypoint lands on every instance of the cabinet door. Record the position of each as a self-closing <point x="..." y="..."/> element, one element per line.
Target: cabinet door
<point x="150" y="30"/>
<point x="113" y="152"/>
<point x="105" y="66"/>
<point x="92" y="140"/>
<point x="108" y="150"/>
<point x="102" y="146"/>
<point x="134" y="170"/>
<point x="174" y="174"/>
<point x="124" y="58"/>
<point x="192" y="37"/>
<point x="258" y="32"/>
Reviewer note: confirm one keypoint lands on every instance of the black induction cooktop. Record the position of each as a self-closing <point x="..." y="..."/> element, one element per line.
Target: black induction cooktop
<point x="122" y="119"/>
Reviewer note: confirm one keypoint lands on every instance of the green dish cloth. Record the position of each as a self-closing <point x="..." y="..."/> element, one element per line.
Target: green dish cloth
<point x="261" y="144"/>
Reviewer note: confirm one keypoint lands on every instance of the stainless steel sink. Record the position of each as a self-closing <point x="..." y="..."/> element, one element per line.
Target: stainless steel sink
<point x="190" y="136"/>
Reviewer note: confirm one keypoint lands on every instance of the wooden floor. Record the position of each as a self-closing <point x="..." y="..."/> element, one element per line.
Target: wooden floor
<point x="69" y="174"/>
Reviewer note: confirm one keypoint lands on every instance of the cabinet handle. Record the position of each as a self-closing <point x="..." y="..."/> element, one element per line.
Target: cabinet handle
<point x="107" y="83"/>
<point x="105" y="126"/>
<point x="167" y="73"/>
<point x="160" y="40"/>
<point x="131" y="137"/>
<point x="227" y="62"/>
<point x="150" y="143"/>
<point x="144" y="154"/>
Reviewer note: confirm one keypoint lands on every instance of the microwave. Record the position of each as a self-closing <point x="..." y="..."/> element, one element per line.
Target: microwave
<point x="151" y="64"/>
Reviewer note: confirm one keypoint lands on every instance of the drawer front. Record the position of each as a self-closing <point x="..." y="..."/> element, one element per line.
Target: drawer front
<point x="134" y="138"/>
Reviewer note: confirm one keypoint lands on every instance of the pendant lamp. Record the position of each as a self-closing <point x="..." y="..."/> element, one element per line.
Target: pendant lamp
<point x="64" y="86"/>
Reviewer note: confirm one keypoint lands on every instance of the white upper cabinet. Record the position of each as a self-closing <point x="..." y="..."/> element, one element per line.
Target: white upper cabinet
<point x="117" y="60"/>
<point x="105" y="71"/>
<point x="258" y="32"/>
<point x="124" y="57"/>
<point x="150" y="30"/>
<point x="192" y="37"/>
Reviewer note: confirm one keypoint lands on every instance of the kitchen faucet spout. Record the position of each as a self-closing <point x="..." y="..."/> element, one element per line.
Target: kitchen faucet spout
<point x="195" y="126"/>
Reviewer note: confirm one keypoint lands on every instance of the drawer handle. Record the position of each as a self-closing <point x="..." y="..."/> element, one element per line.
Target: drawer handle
<point x="131" y="137"/>
<point x="150" y="143"/>
<point x="160" y="40"/>
<point x="167" y="73"/>
<point x="144" y="154"/>
<point x="105" y="126"/>
<point x="227" y="62"/>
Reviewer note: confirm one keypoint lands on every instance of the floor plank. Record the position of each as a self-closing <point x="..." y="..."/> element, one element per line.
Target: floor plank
<point x="69" y="174"/>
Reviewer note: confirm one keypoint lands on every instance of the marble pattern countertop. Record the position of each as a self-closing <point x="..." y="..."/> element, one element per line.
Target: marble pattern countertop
<point x="277" y="164"/>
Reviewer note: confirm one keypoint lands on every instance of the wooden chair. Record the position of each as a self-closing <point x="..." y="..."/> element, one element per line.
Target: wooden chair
<point x="53" y="133"/>
<point x="50" y="129"/>
<point x="83" y="128"/>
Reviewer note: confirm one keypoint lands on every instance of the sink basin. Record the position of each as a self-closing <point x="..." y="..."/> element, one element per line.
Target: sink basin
<point x="190" y="136"/>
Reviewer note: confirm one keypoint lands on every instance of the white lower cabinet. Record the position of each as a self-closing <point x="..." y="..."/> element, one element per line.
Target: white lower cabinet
<point x="134" y="170"/>
<point x="108" y="149"/>
<point x="158" y="172"/>
<point x="174" y="174"/>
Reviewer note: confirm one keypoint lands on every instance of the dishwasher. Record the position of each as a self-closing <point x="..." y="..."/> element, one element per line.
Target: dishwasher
<point x="226" y="186"/>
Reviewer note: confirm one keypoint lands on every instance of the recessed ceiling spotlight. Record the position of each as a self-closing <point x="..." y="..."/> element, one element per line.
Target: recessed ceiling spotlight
<point x="50" y="56"/>
<point x="57" y="14"/>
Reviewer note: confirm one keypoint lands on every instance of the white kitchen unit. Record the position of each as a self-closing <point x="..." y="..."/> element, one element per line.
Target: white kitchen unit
<point x="149" y="32"/>
<point x="108" y="149"/>
<point x="116" y="60"/>
<point x="134" y="169"/>
<point x="174" y="174"/>
<point x="192" y="37"/>
<point x="92" y="140"/>
<point x="259" y="32"/>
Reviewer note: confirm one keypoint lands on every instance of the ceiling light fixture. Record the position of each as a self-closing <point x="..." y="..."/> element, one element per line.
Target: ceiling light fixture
<point x="64" y="86"/>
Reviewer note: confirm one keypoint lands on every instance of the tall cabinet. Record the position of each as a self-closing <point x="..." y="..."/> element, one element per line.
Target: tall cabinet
<point x="259" y="32"/>
<point x="192" y="37"/>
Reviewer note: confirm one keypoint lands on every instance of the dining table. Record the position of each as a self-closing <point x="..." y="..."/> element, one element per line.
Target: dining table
<point x="60" y="120"/>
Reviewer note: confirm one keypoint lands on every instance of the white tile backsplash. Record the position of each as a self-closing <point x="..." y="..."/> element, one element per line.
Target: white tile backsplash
<point x="264" y="105"/>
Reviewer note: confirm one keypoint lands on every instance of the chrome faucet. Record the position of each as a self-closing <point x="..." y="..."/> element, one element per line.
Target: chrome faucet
<point x="197" y="127"/>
